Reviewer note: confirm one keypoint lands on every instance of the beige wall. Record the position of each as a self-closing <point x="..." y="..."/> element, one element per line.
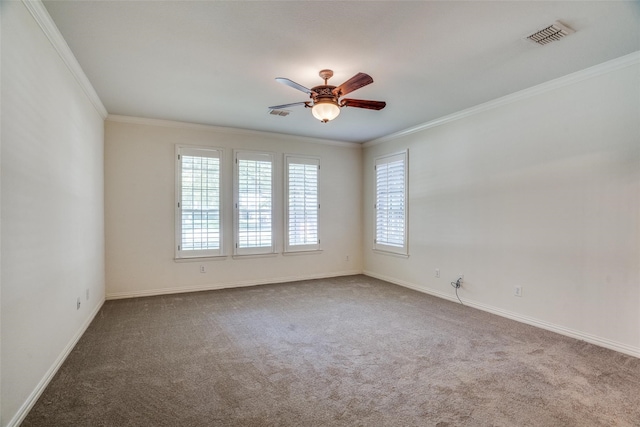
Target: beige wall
<point x="543" y="193"/>
<point x="52" y="211"/>
<point x="139" y="215"/>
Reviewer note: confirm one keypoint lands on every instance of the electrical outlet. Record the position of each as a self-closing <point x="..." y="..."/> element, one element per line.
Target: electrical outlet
<point x="437" y="272"/>
<point x="346" y="258"/>
<point x="78" y="304"/>
<point x="517" y="291"/>
<point x="87" y="294"/>
<point x="203" y="269"/>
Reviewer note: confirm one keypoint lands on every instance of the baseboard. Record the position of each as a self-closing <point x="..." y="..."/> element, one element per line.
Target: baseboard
<point x="599" y="341"/>
<point x="44" y="382"/>
<point x="227" y="285"/>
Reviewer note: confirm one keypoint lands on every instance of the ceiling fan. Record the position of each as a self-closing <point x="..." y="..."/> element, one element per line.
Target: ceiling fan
<point x="326" y="100"/>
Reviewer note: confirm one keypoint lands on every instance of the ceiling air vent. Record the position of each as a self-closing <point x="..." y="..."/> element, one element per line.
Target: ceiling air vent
<point x="279" y="112"/>
<point x="552" y="33"/>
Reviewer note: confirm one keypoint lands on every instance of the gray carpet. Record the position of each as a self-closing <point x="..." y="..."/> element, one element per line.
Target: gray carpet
<point x="349" y="351"/>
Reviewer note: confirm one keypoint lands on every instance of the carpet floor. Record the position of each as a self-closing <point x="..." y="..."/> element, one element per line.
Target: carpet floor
<point x="346" y="351"/>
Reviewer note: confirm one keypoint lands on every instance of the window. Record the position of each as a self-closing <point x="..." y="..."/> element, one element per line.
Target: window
<point x="301" y="204"/>
<point x="254" y="203"/>
<point x="391" y="204"/>
<point x="198" y="218"/>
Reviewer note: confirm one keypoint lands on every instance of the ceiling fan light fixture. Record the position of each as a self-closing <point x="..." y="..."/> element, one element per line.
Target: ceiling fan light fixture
<point x="325" y="110"/>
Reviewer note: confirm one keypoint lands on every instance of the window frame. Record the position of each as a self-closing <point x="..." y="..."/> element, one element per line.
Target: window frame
<point x="385" y="247"/>
<point x="305" y="160"/>
<point x="255" y="156"/>
<point x="197" y="151"/>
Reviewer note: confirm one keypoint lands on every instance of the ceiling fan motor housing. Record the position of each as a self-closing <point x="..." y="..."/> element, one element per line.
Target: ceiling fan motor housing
<point x="323" y="93"/>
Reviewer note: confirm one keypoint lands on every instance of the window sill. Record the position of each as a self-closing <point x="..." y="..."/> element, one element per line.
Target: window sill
<point x="395" y="254"/>
<point x="249" y="256"/>
<point x="201" y="258"/>
<point x="309" y="252"/>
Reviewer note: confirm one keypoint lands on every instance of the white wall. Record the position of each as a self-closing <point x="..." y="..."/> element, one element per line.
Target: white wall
<point x="543" y="193"/>
<point x="139" y="216"/>
<point x="52" y="210"/>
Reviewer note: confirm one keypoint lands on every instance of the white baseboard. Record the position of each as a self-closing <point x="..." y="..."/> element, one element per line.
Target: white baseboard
<point x="46" y="379"/>
<point x="216" y="286"/>
<point x="599" y="341"/>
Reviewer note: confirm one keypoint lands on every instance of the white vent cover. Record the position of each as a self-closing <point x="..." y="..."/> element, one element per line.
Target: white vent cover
<point x="552" y="33"/>
<point x="279" y="112"/>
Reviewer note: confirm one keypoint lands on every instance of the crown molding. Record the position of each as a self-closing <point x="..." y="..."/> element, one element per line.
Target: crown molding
<point x="49" y="28"/>
<point x="228" y="130"/>
<point x="569" y="79"/>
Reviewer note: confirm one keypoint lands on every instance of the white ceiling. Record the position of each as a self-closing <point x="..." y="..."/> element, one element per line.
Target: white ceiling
<point x="214" y="62"/>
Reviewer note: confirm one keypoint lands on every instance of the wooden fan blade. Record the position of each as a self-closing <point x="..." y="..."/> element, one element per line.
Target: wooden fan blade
<point x="362" y="103"/>
<point x="280" y="107"/>
<point x="355" y="82"/>
<point x="293" y="84"/>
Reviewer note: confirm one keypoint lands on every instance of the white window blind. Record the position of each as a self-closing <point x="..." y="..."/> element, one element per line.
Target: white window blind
<point x="198" y="219"/>
<point x="254" y="203"/>
<point x="391" y="203"/>
<point x="302" y="204"/>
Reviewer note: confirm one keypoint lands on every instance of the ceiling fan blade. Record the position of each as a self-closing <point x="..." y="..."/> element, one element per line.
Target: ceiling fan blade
<point x="355" y="82"/>
<point x="280" y="107"/>
<point x="362" y="103"/>
<point x="293" y="84"/>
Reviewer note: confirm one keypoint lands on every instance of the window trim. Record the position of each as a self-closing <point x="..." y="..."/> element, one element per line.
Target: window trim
<point x="257" y="156"/>
<point x="307" y="160"/>
<point x="381" y="247"/>
<point x="181" y="150"/>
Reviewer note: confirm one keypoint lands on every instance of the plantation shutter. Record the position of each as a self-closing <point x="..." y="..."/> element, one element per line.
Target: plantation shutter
<point x="390" y="207"/>
<point x="198" y="191"/>
<point x="302" y="204"/>
<point x="254" y="203"/>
